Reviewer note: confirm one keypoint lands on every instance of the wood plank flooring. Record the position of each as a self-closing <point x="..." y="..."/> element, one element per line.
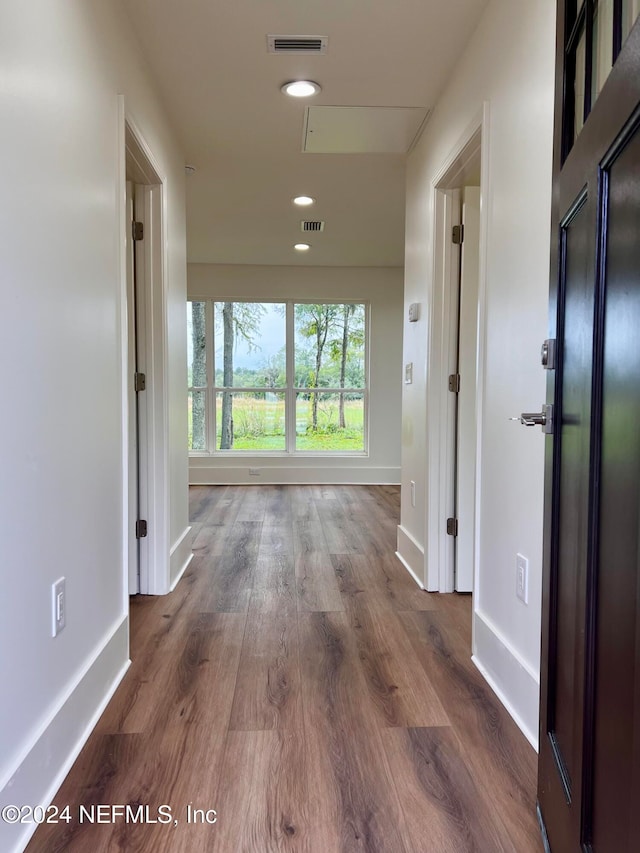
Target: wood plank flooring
<point x="298" y="683"/>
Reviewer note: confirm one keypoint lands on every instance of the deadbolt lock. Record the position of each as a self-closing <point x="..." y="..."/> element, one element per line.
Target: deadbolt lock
<point x="548" y="354"/>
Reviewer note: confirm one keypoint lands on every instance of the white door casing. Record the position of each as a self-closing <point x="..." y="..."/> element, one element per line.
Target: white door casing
<point x="466" y="165"/>
<point x="133" y="548"/>
<point x="467" y="368"/>
<point x="151" y="309"/>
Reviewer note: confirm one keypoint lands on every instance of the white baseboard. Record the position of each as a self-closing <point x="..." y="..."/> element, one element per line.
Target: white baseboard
<point x="270" y="474"/>
<point x="410" y="570"/>
<point x="48" y="759"/>
<point x="411" y="555"/>
<point x="510" y="677"/>
<point x="180" y="557"/>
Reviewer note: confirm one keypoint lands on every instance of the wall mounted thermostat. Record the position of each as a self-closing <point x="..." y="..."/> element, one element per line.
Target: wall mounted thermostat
<point x="414" y="312"/>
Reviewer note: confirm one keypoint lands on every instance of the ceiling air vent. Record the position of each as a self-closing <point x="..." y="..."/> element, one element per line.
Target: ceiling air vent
<point x="312" y="225"/>
<point x="297" y="44"/>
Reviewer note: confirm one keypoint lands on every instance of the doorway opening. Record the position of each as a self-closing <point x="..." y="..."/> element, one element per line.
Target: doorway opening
<point x="145" y="466"/>
<point x="462" y="385"/>
<point x="454" y="394"/>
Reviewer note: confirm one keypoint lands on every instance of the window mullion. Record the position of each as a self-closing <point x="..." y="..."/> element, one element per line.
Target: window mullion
<point x="290" y="396"/>
<point x="211" y="395"/>
<point x="367" y="374"/>
<point x="590" y="7"/>
<point x="617" y="29"/>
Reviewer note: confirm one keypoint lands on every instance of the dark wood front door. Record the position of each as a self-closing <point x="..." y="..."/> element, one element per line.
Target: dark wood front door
<point x="589" y="766"/>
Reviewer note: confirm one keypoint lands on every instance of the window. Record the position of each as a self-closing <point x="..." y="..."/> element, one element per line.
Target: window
<point x="279" y="377"/>
<point x="595" y="33"/>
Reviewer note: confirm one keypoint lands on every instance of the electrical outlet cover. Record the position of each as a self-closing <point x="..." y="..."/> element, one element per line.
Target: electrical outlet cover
<point x="522" y="578"/>
<point x="58" y="606"/>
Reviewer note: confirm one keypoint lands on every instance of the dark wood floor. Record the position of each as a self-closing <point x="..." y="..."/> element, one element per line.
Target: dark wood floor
<point x="300" y="684"/>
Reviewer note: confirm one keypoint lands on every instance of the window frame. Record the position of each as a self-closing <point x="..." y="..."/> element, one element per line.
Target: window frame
<point x="289" y="390"/>
<point x="580" y="20"/>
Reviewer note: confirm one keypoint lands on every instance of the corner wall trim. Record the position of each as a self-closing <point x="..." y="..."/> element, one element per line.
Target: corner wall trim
<point x="180" y="557"/>
<point x="411" y="555"/>
<point x="512" y="679"/>
<point x="42" y="769"/>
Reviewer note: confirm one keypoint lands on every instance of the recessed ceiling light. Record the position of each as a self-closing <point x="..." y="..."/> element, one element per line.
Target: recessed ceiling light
<point x="302" y="247"/>
<point x="303" y="200"/>
<point x="300" y="88"/>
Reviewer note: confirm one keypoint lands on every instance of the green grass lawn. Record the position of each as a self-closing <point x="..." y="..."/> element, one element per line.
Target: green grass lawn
<point x="337" y="442"/>
<point x="258" y="443"/>
<point x="259" y="425"/>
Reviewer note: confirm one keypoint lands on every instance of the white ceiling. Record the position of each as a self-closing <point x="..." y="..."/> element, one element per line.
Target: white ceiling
<point x="221" y="88"/>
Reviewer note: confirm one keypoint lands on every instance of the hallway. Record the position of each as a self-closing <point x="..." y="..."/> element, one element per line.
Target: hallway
<point x="299" y="683"/>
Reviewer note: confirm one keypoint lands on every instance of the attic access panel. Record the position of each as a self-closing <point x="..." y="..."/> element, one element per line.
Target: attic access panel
<point x="362" y="130"/>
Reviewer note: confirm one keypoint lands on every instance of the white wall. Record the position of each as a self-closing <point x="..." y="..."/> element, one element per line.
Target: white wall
<point x="509" y="64"/>
<point x="63" y="64"/>
<point x="382" y="287"/>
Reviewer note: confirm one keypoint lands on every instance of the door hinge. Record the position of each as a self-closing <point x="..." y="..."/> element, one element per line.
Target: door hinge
<point x="457" y="234"/>
<point x="452" y="527"/>
<point x="454" y="383"/>
<point x="137" y="229"/>
<point x="141" y="528"/>
<point x="139" y="382"/>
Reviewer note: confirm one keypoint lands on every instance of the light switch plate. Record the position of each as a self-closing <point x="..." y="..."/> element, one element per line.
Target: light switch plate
<point x="408" y="373"/>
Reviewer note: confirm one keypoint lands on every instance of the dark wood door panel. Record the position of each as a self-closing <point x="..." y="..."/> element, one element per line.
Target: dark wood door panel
<point x="589" y="763"/>
<point x="574" y="429"/>
<point x="616" y="715"/>
<point x="562" y="707"/>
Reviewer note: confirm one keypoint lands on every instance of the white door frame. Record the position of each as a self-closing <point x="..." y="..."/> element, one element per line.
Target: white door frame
<point x="467" y="428"/>
<point x="132" y="452"/>
<point x="439" y="554"/>
<point x="136" y="156"/>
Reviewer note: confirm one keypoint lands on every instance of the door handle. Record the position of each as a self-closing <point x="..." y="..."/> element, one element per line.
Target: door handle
<point x="543" y="419"/>
<point x="533" y="419"/>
